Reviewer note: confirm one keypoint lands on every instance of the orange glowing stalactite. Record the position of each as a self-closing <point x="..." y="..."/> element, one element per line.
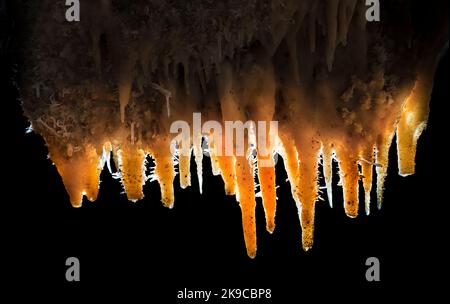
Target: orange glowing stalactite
<point x="246" y="195"/>
<point x="80" y="173"/>
<point x="266" y="176"/>
<point x="164" y="170"/>
<point x="184" y="165"/>
<point x="132" y="168"/>
<point x="413" y="121"/>
<point x="349" y="174"/>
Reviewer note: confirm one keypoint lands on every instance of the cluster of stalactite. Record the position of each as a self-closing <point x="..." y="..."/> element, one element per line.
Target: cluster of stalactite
<point x="339" y="87"/>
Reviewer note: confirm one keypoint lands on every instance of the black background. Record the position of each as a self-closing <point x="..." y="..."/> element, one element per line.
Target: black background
<point x="145" y="248"/>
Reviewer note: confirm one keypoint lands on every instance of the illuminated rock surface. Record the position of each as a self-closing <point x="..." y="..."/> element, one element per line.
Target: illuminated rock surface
<point x="339" y="87"/>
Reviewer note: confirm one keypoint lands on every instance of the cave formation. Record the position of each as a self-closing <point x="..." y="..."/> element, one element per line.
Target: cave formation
<point x="340" y="88"/>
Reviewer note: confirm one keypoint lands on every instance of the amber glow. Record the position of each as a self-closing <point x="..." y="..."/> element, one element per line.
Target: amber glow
<point x="339" y="90"/>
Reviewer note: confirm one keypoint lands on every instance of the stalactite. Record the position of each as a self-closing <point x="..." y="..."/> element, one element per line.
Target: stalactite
<point x="246" y="194"/>
<point x="80" y="173"/>
<point x="382" y="160"/>
<point x="413" y="121"/>
<point x="339" y="87"/>
<point x="308" y="190"/>
<point x="367" y="160"/>
<point x="132" y="168"/>
<point x="349" y="174"/>
<point x="164" y="169"/>
<point x="327" y="162"/>
<point x="266" y="176"/>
